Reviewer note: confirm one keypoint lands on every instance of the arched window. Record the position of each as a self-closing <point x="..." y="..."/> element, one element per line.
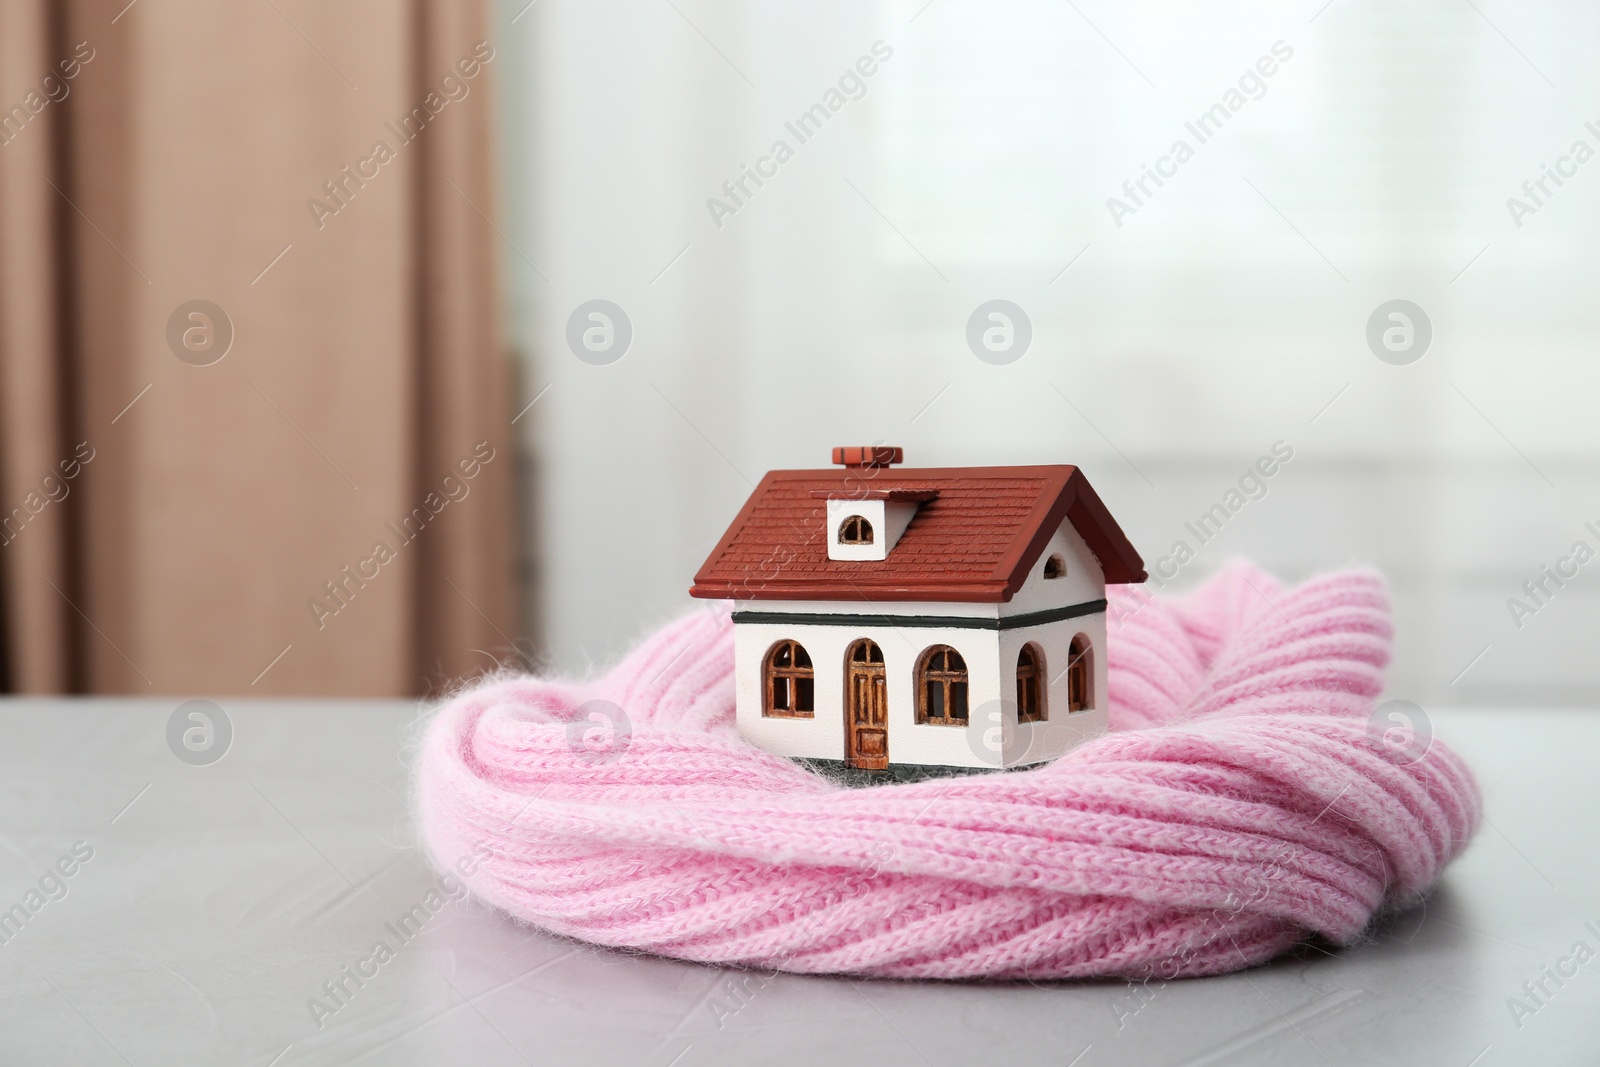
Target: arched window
<point x="1080" y="674"/>
<point x="788" y="682"/>
<point x="855" y="530"/>
<point x="1055" y="567"/>
<point x="1031" y="693"/>
<point x="942" y="687"/>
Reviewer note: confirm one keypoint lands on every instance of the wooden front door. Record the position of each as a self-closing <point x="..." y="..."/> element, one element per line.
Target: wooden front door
<point x="866" y="710"/>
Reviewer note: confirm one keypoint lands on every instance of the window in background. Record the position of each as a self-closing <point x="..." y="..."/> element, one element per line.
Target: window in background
<point x="1212" y="323"/>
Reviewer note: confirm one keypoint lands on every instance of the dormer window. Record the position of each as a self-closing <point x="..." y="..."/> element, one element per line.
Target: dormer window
<point x="865" y="523"/>
<point x="1055" y="567"/>
<point x="855" y="530"/>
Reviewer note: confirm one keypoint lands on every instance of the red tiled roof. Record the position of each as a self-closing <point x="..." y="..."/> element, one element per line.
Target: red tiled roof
<point x="975" y="541"/>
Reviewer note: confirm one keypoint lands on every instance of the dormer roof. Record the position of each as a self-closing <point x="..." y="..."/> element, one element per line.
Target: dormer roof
<point x="976" y="535"/>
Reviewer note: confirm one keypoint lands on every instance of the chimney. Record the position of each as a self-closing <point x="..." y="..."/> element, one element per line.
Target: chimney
<point x="868" y="456"/>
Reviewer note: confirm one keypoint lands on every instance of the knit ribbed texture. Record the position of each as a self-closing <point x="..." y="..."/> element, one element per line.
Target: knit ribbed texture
<point x="1239" y="804"/>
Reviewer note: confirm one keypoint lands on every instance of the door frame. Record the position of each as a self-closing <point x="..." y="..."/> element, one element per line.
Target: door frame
<point x="876" y="678"/>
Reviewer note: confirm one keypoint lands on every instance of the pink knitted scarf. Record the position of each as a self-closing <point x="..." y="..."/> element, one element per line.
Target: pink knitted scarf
<point x="1241" y="803"/>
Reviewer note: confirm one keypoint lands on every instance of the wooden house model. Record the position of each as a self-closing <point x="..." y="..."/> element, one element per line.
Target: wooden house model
<point x="920" y="622"/>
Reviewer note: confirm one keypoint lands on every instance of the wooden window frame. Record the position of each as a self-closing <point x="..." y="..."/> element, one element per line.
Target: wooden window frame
<point x="1080" y="673"/>
<point x="948" y="678"/>
<point x="1032" y="676"/>
<point x="856" y="525"/>
<point x="792" y="675"/>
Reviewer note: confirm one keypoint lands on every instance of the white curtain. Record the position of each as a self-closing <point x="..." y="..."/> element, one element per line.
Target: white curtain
<point x="1226" y="313"/>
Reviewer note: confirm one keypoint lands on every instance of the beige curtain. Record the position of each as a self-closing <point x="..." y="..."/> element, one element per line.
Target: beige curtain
<point x="327" y="507"/>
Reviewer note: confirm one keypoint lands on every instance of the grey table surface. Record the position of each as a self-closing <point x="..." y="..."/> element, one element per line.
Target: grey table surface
<point x="216" y="900"/>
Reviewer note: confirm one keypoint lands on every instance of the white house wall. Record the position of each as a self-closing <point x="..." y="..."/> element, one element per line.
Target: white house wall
<point x="823" y="736"/>
<point x="991" y="658"/>
<point x="1085" y="580"/>
<point x="992" y="736"/>
<point x="1062" y="731"/>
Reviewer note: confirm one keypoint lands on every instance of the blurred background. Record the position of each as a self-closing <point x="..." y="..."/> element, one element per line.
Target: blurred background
<point x="489" y="393"/>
